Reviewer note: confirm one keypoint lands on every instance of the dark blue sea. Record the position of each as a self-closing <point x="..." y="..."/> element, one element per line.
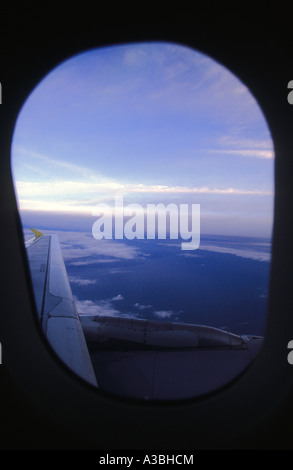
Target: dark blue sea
<point x="224" y="283"/>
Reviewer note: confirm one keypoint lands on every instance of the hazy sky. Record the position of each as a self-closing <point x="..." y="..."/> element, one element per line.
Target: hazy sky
<point x="155" y="122"/>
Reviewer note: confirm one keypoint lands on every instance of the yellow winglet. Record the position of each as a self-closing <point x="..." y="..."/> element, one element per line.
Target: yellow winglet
<point x="37" y="234"/>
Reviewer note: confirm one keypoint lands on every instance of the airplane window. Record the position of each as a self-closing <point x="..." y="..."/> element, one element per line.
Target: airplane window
<point x="144" y="179"/>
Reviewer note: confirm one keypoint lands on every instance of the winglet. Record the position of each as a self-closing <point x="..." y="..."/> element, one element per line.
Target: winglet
<point x="37" y="234"/>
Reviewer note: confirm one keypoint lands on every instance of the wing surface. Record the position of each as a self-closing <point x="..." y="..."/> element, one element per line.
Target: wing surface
<point x="156" y="360"/>
<point x="55" y="305"/>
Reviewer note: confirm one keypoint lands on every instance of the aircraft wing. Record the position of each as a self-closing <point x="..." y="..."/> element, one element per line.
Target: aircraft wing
<point x="132" y="358"/>
<point x="55" y="305"/>
<point x="158" y="360"/>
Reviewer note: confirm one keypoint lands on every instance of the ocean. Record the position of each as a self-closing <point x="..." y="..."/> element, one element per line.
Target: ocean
<point x="224" y="283"/>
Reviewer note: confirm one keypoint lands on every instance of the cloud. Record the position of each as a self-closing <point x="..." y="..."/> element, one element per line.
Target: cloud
<point x="55" y="163"/>
<point x="241" y="142"/>
<point x="100" y="123"/>
<point x="247" y="252"/>
<point x="263" y="295"/>
<point x="118" y="271"/>
<point x="141" y="306"/>
<point x="117" y="297"/>
<point x="106" y="308"/>
<point x="68" y="195"/>
<point x="190" y="255"/>
<point x="100" y="308"/>
<point x="77" y="246"/>
<point x="245" y="147"/>
<point x="164" y="313"/>
<point x="248" y="152"/>
<point x="93" y="261"/>
<point x="80" y="281"/>
<point x="77" y="188"/>
<point x="255" y="251"/>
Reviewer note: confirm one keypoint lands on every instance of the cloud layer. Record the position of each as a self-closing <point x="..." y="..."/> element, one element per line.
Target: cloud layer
<point x="153" y="121"/>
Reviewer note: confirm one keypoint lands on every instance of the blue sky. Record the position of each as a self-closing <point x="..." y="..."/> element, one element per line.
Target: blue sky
<point x="156" y="122"/>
